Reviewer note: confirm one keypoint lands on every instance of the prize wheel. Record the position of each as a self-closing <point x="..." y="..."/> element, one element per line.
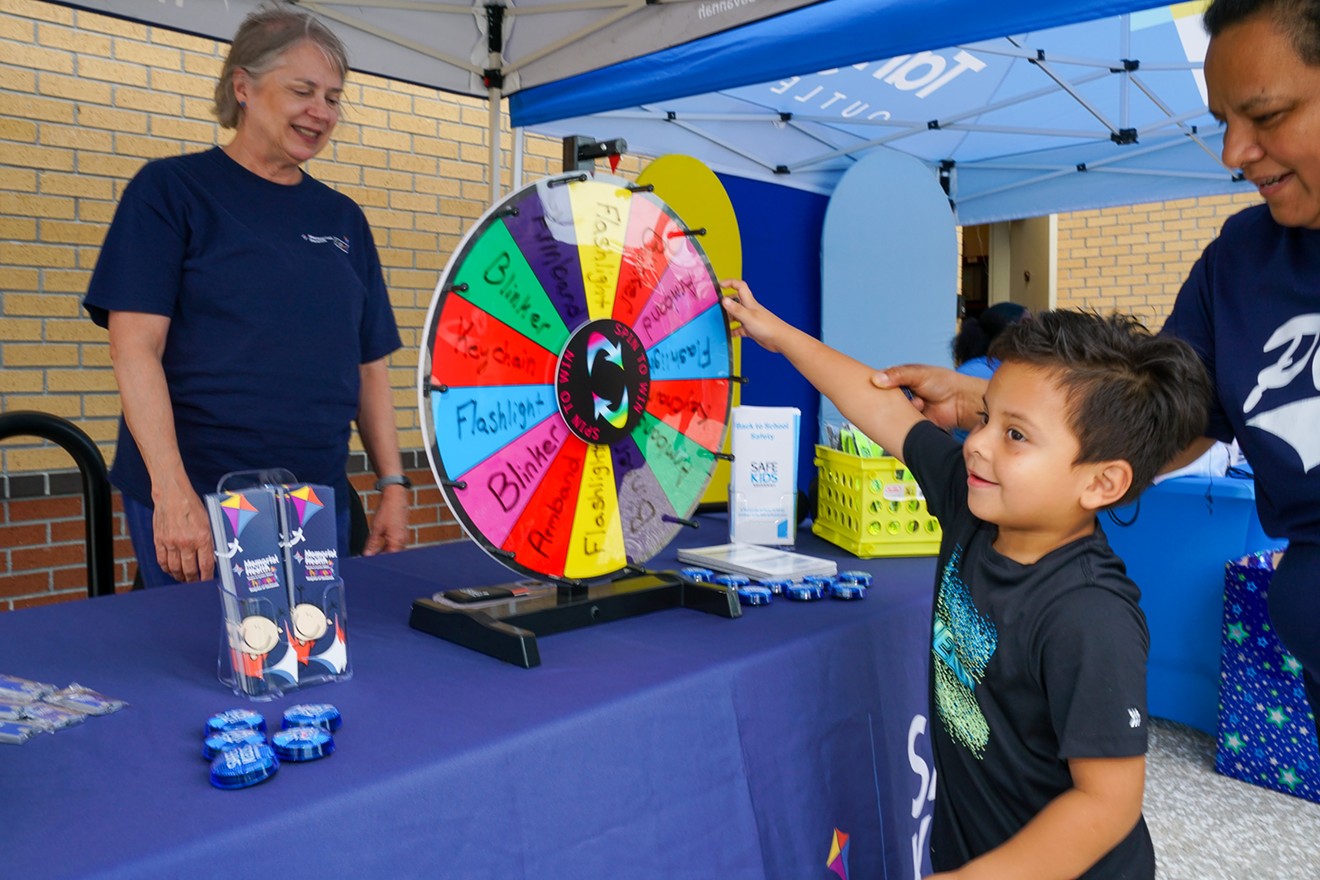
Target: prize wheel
<point x="575" y="378"/>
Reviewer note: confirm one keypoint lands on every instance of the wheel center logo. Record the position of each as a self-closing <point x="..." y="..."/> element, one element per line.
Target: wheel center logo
<point x="603" y="381"/>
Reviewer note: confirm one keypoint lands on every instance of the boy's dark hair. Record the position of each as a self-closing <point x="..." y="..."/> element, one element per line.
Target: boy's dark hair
<point x="1298" y="19"/>
<point x="1131" y="395"/>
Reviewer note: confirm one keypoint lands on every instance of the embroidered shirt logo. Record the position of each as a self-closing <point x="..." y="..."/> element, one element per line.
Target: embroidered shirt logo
<point x="341" y="243"/>
<point x="1134" y="718"/>
<point x="1297" y="341"/>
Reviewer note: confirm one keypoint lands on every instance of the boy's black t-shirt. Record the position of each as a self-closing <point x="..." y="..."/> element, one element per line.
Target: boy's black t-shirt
<point x="1031" y="665"/>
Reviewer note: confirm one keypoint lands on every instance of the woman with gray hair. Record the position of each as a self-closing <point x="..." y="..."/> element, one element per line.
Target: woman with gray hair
<point x="248" y="316"/>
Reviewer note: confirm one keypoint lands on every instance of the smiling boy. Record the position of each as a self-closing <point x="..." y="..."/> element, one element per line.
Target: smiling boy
<point x="1038" y="654"/>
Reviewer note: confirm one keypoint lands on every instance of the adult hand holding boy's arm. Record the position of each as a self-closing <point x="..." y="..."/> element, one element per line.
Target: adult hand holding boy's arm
<point x="1074" y="831"/>
<point x="883" y="415"/>
<point x="948" y="398"/>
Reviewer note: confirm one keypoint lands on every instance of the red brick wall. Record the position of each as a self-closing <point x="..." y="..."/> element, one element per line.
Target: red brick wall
<point x="43" y="556"/>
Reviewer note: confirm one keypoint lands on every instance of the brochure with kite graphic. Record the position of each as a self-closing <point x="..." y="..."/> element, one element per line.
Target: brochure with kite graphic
<point x="277" y="560"/>
<point x="254" y="592"/>
<point x="316" y="592"/>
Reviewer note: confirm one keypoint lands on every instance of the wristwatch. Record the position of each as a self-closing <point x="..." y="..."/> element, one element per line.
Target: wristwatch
<point x="393" y="480"/>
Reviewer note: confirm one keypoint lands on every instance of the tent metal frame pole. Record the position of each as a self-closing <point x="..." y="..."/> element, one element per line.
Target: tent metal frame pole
<point x="964" y="199"/>
<point x="493" y="76"/>
<point x="1094" y="165"/>
<point x="519" y="145"/>
<point x="493" y="98"/>
<point x="1045" y="68"/>
<point x="692" y="129"/>
<point x="1204" y="144"/>
<point x="1026" y="53"/>
<point x="1152" y="172"/>
<point x="1008" y="102"/>
<point x="1097" y="166"/>
<point x="1178" y="121"/>
<point x="807" y="132"/>
<point x="1011" y="129"/>
<point x="916" y="128"/>
<point x="1125" y="83"/>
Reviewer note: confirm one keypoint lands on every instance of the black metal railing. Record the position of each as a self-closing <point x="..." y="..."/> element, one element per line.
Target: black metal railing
<point x="96" y="488"/>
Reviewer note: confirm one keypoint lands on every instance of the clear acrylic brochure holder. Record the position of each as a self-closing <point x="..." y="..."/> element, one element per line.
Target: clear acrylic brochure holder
<point x="284" y="620"/>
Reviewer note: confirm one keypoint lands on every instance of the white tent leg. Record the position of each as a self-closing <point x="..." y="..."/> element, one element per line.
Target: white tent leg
<point x="495" y="130"/>
<point x="518" y="145"/>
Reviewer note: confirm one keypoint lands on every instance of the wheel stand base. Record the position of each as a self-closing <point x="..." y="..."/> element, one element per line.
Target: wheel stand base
<point x="507" y="629"/>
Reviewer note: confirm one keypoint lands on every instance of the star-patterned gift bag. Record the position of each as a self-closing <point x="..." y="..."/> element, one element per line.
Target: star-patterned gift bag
<point x="1266" y="730"/>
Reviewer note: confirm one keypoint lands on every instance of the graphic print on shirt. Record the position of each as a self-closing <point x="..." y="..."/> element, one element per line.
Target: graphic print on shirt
<point x="1294" y="423"/>
<point x="963" y="642"/>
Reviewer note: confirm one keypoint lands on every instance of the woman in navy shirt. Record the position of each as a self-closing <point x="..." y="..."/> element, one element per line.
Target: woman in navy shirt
<point x="248" y="317"/>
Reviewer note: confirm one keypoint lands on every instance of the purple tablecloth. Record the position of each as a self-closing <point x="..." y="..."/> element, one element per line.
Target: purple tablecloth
<point x="676" y="744"/>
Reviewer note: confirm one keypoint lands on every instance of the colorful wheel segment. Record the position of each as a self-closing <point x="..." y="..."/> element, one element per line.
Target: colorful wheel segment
<point x="575" y="381"/>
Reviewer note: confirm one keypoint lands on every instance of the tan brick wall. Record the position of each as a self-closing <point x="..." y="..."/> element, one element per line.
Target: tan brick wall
<point x="1135" y="258"/>
<point x="85" y="100"/>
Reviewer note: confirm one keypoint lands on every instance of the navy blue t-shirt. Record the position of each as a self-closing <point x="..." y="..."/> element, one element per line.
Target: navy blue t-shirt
<point x="275" y="298"/>
<point x="1251" y="309"/>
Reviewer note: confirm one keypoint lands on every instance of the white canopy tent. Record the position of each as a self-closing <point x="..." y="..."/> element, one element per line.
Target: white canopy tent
<point x="794" y="91"/>
<point x="479" y="49"/>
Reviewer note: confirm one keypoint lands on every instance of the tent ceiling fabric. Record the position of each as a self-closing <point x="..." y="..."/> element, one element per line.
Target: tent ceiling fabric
<point x="446" y="45"/>
<point x="1091" y="114"/>
<point x="760" y="87"/>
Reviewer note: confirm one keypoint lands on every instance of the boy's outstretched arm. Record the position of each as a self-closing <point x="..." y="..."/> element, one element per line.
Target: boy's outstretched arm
<point x="885" y="416"/>
<point x="1074" y="830"/>
<point x="946" y="397"/>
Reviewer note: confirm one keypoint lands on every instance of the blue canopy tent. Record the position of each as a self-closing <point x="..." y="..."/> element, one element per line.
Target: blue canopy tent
<point x="1018" y="109"/>
<point x="1022" y="109"/>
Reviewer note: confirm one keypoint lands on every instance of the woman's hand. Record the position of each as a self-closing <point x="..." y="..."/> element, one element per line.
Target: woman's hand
<point x="389" y="525"/>
<point x="183" y="533"/>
